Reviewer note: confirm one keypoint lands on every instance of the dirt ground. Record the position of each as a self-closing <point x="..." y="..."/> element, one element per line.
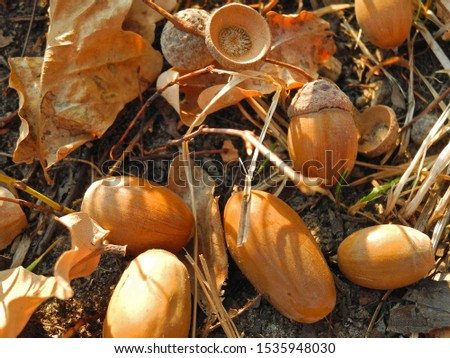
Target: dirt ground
<point x="82" y="316"/>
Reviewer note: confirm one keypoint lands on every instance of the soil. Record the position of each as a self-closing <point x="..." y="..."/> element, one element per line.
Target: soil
<point x="82" y="316"/>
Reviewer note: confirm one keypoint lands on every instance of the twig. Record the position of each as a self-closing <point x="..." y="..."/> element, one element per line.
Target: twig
<point x="269" y="6"/>
<point x="427" y="110"/>
<point x="146" y="105"/>
<point x="27" y="37"/>
<point x="307" y="185"/>
<point x="8" y="118"/>
<point x="377" y="311"/>
<point x="80" y="323"/>
<point x="180" y="24"/>
<point x="291" y="67"/>
<point x="237" y="312"/>
<point x="28" y="204"/>
<point x="27" y="18"/>
<point x="22" y="186"/>
<point x="175" y="142"/>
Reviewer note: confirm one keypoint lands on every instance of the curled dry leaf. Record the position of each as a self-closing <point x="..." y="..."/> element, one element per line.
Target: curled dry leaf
<point x="198" y="92"/>
<point x="87" y="246"/>
<point x="91" y="69"/>
<point x="211" y="240"/>
<point x="142" y="19"/>
<point x="190" y="89"/>
<point x="230" y="152"/>
<point x="5" y="40"/>
<point x="304" y="41"/>
<point x="12" y="219"/>
<point x="21" y="292"/>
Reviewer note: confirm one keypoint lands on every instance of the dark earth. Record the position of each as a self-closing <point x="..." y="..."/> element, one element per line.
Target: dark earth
<point x="359" y="312"/>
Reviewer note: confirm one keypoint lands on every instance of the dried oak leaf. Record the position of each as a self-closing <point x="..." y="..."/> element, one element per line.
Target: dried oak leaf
<point x="230" y="152"/>
<point x="12" y="219"/>
<point x="304" y="41"/>
<point x="189" y="89"/>
<point x="87" y="246"/>
<point x="211" y="240"/>
<point x="199" y="92"/>
<point x="21" y="292"/>
<point x="142" y="19"/>
<point x="91" y="69"/>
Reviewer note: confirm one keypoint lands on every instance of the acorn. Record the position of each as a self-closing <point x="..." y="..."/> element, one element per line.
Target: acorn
<point x="377" y="130"/>
<point x="322" y="135"/>
<point x="184" y="50"/>
<point x="139" y="213"/>
<point x="151" y="300"/>
<point x="280" y="257"/>
<point x="237" y="36"/>
<point x="385" y="23"/>
<point x="386" y="256"/>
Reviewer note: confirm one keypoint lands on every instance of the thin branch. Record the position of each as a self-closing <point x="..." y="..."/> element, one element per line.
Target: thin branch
<point x="180" y="24"/>
<point x="27" y="37"/>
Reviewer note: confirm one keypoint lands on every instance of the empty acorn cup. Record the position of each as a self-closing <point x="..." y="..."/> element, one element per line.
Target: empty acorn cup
<point x="237" y="36"/>
<point x="378" y="129"/>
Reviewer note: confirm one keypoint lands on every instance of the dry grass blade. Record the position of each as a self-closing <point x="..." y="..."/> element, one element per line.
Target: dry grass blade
<point x="442" y="162"/>
<point x="417" y="160"/>
<point x="368" y="54"/>
<point x="244" y="221"/>
<point x="208" y="286"/>
<point x="437" y="50"/>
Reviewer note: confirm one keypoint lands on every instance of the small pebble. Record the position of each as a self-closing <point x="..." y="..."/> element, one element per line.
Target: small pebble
<point x="422" y="127"/>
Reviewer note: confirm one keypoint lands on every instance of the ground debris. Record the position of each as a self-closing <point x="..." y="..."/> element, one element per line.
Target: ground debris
<point x="429" y="309"/>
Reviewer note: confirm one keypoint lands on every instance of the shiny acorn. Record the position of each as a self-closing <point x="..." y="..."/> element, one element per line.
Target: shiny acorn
<point x="140" y="214"/>
<point x="385" y="23"/>
<point x="280" y="257"/>
<point x="385" y="256"/>
<point x="151" y="300"/>
<point x="322" y="135"/>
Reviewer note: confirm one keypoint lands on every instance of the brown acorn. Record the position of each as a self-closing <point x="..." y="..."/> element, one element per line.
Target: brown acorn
<point x="140" y="214"/>
<point x="385" y="23"/>
<point x="322" y="136"/>
<point x="281" y="258"/>
<point x="151" y="300"/>
<point x="386" y="256"/>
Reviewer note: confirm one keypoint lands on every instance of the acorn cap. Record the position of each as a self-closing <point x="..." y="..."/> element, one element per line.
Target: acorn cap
<point x="237" y="36"/>
<point x="318" y="95"/>
<point x="378" y="129"/>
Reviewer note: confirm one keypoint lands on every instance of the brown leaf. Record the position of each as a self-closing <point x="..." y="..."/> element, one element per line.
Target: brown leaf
<point x="87" y="246"/>
<point x="91" y="69"/>
<point x="21" y="292"/>
<point x="303" y="41"/>
<point x="13" y="219"/>
<point x="429" y="308"/>
<point x="246" y="89"/>
<point x="198" y="92"/>
<point x="142" y="19"/>
<point x="190" y="89"/>
<point x="211" y="241"/>
<point x="230" y="152"/>
<point x="5" y="40"/>
<point x="24" y="78"/>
